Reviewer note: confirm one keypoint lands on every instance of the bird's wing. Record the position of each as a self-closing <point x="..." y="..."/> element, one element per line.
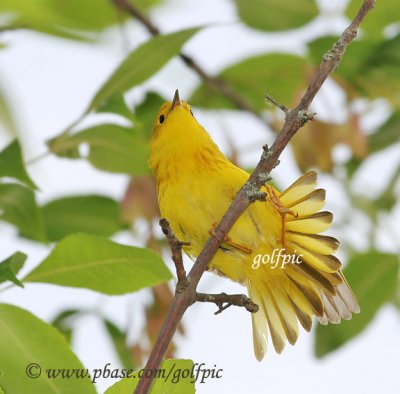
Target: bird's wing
<point x="315" y="287"/>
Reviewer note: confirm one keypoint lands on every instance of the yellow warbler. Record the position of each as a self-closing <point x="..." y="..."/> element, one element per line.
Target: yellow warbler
<point x="196" y="184"/>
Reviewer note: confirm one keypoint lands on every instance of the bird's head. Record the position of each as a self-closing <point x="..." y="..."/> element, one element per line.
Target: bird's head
<point x="178" y="137"/>
<point x="173" y="117"/>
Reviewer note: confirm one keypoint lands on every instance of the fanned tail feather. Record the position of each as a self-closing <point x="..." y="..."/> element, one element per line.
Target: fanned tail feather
<point x="315" y="287"/>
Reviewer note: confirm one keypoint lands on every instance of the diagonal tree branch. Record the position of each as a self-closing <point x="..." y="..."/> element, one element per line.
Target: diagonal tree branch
<point x="222" y="300"/>
<point x="214" y="82"/>
<point x="295" y="119"/>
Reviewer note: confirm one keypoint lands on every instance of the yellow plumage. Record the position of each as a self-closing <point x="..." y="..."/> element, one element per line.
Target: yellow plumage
<point x="196" y="184"/>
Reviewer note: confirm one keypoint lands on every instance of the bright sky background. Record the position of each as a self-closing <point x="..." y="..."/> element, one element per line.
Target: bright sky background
<point x="50" y="82"/>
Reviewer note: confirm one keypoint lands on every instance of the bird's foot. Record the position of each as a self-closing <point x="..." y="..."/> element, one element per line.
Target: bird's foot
<point x="228" y="241"/>
<point x="282" y="210"/>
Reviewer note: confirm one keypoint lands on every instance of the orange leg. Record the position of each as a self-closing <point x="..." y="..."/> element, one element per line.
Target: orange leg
<point x="283" y="211"/>
<point x="227" y="240"/>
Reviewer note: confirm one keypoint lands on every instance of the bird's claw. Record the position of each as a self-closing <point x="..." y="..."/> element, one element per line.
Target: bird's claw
<point x="228" y="241"/>
<point x="282" y="210"/>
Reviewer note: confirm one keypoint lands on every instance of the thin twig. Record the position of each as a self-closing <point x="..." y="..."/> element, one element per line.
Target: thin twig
<point x="176" y="249"/>
<point x="274" y="102"/>
<point x="224" y="301"/>
<point x="294" y="121"/>
<point x="130" y="8"/>
<point x="5" y="288"/>
<point x="37" y="158"/>
<point x="214" y="82"/>
<point x="65" y="132"/>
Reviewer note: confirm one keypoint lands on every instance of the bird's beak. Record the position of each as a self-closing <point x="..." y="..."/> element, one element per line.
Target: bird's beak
<point x="176" y="100"/>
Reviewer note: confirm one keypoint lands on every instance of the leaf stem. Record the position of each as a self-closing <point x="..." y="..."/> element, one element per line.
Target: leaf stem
<point x="37" y="158"/>
<point x="7" y="287"/>
<point x="64" y="132"/>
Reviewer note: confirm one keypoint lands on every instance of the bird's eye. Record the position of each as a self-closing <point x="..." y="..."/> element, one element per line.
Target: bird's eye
<point x="162" y="118"/>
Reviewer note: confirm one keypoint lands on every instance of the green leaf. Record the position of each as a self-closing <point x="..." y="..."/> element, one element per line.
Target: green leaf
<point x="370" y="67"/>
<point x="63" y="322"/>
<point x="119" y="340"/>
<point x="146" y="113"/>
<point x="36" y="15"/>
<point x="373" y="276"/>
<point x="318" y="47"/>
<point x="350" y="65"/>
<point x="10" y="267"/>
<point x="169" y="380"/>
<point x="379" y="74"/>
<point x="387" y="135"/>
<point x="31" y="346"/>
<point x="12" y="164"/>
<point x="282" y="76"/>
<point x="384" y="13"/>
<point x="146" y="4"/>
<point x="276" y="15"/>
<point x="141" y="64"/>
<point x="73" y="19"/>
<point x="113" y="148"/>
<point x="396" y="298"/>
<point x="97" y="215"/>
<point x="388" y="198"/>
<point x="19" y="208"/>
<point x="102" y="265"/>
<point x="7" y="118"/>
<point x="116" y="105"/>
<point x="94" y="15"/>
<point x="62" y="146"/>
